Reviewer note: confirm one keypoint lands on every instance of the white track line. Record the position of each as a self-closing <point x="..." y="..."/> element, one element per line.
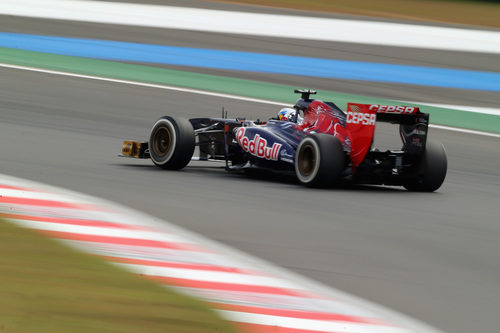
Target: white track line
<point x="474" y="109"/>
<point x="144" y="84"/>
<point x="462" y="130"/>
<point x="257" y="24"/>
<point x="209" y="93"/>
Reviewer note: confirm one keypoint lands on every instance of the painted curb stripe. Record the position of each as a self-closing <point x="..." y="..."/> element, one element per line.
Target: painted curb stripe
<point x="80" y="222"/>
<point x="157" y="254"/>
<point x="226" y="278"/>
<point x="254" y="62"/>
<point x="122" y="233"/>
<point x="267" y="25"/>
<point x="119" y="240"/>
<point x="156" y="263"/>
<point x="299" y="314"/>
<point x="17" y="188"/>
<point x="197" y="284"/>
<point x="231" y="282"/>
<point x="246" y="327"/>
<point x="303" y="303"/>
<point x="307" y="324"/>
<point x="41" y="202"/>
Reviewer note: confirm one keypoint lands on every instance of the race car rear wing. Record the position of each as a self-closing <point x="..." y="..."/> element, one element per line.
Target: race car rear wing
<point x="361" y="119"/>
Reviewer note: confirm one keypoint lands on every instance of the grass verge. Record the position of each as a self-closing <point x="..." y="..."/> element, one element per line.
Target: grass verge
<point x="48" y="287"/>
<point x="468" y="12"/>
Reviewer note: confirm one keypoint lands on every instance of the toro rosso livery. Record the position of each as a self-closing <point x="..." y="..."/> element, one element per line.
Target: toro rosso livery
<point x="317" y="141"/>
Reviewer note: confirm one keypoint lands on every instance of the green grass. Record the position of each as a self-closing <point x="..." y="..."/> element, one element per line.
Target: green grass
<point x="48" y="287"/>
<point x="468" y="12"/>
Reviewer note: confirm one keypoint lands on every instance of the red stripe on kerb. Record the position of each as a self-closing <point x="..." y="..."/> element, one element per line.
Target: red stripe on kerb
<point x="197" y="284"/>
<point x="198" y="267"/>
<point x="256" y="328"/>
<point x="121" y="241"/>
<point x="82" y="222"/>
<point x="300" y="314"/>
<point x="46" y="203"/>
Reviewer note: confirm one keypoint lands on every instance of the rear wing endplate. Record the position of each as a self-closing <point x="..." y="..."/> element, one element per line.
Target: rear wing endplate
<point x="361" y="119"/>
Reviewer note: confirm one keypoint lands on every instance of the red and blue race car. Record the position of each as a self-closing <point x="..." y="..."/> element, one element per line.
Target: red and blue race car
<point x="319" y="143"/>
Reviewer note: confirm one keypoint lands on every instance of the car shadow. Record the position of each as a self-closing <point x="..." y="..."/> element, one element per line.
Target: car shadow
<point x="256" y="175"/>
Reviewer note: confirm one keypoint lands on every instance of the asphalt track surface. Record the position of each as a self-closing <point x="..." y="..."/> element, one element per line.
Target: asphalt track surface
<point x="431" y="256"/>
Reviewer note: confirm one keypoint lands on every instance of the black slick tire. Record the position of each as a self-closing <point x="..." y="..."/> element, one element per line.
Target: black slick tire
<point x="431" y="169"/>
<point x="171" y="143"/>
<point x="319" y="160"/>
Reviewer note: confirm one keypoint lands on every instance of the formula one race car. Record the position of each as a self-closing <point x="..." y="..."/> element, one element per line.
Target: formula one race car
<point x="318" y="142"/>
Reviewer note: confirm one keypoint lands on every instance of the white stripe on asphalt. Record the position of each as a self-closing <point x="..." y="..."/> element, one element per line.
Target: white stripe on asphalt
<point x="162" y="254"/>
<point x="144" y="84"/>
<point x="268" y="25"/>
<point x="463" y="130"/>
<point x="28" y="194"/>
<point x="102" y="231"/>
<point x="307" y="324"/>
<point x="280" y="302"/>
<point x="474" y="109"/>
<point x="210" y="276"/>
<point x="207" y="93"/>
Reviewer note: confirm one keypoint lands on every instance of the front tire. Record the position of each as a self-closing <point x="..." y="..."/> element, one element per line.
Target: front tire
<point x="171" y="143"/>
<point x="319" y="160"/>
<point x="431" y="169"/>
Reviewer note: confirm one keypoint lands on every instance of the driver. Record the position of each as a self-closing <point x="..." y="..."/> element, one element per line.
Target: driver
<point x="288" y="114"/>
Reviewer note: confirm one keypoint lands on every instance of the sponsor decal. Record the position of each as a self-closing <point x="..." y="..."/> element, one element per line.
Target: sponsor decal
<point x="257" y="146"/>
<point x="392" y="109"/>
<point x="361" y="118"/>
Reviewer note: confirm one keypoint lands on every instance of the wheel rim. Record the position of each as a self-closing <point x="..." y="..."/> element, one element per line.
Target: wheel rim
<point x="162" y="141"/>
<point x="307" y="160"/>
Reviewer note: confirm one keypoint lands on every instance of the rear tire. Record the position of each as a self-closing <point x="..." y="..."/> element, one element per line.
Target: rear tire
<point x="171" y="143"/>
<point x="319" y="160"/>
<point x="431" y="170"/>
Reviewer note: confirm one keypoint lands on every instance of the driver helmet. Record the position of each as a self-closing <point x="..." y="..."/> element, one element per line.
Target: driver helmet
<point x="287" y="114"/>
